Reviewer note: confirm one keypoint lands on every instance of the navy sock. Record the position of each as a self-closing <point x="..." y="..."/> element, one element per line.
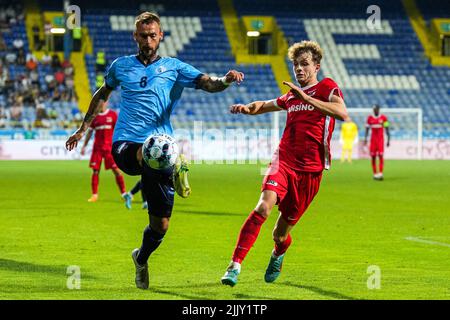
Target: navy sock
<point x="151" y="240"/>
<point x="136" y="188"/>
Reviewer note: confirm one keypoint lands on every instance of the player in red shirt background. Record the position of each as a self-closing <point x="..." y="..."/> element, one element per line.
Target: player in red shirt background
<point x="377" y="123"/>
<point x="103" y="125"/>
<point x="294" y="176"/>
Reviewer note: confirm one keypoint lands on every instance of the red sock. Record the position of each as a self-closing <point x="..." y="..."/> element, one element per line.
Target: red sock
<point x="381" y="164"/>
<point x="248" y="235"/>
<point x="374" y="164"/>
<point x="94" y="183"/>
<point x="121" y="183"/>
<point x="281" y="248"/>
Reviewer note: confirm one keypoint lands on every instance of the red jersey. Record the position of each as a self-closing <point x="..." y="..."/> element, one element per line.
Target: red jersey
<point x="377" y="125"/>
<point x="305" y="144"/>
<point x="103" y="124"/>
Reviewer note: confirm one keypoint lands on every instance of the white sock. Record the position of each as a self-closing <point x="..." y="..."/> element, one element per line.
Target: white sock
<point x="235" y="265"/>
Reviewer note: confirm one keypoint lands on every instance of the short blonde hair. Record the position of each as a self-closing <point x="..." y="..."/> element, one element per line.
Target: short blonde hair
<point x="147" y="17"/>
<point x="306" y="46"/>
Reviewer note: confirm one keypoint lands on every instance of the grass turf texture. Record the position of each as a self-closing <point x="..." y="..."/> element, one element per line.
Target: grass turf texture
<point x="46" y="224"/>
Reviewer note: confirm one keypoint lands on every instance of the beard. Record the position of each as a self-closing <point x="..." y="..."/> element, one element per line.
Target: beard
<point x="148" y="52"/>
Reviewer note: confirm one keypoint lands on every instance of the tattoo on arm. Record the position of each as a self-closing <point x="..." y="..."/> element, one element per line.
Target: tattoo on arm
<point x="99" y="97"/>
<point x="210" y="84"/>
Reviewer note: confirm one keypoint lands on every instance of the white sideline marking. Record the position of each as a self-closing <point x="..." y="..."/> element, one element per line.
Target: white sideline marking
<point x="428" y="241"/>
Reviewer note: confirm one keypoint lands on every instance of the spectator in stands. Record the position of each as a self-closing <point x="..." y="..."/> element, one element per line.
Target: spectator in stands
<point x="3" y="117"/>
<point x="3" y="47"/>
<point x="49" y="78"/>
<point x="46" y="59"/>
<point x="66" y="64"/>
<point x="76" y="36"/>
<point x="56" y="63"/>
<point x="31" y="63"/>
<point x="48" y="35"/>
<point x="41" y="115"/>
<point x="18" y="44"/>
<point x="21" y="58"/>
<point x="100" y="62"/>
<point x="11" y="58"/>
<point x="29" y="133"/>
<point x="68" y="68"/>
<point x="99" y="79"/>
<point x="34" y="77"/>
<point x="60" y="76"/>
<point x="17" y="111"/>
<point x="3" y="79"/>
<point x="56" y="95"/>
<point x="70" y="89"/>
<point x="36" y="37"/>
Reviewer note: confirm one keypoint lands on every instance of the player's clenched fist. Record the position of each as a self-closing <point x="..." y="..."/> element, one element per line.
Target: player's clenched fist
<point x="239" y="108"/>
<point x="72" y="142"/>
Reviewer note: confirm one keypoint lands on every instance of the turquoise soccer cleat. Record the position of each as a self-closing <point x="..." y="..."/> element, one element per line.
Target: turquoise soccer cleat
<point x="230" y="277"/>
<point x="127" y="197"/>
<point x="274" y="268"/>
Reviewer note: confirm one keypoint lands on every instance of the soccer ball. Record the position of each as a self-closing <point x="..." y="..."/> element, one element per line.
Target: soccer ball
<point x="160" y="151"/>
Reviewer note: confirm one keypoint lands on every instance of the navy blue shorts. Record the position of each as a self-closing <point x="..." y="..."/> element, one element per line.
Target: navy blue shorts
<point x="157" y="185"/>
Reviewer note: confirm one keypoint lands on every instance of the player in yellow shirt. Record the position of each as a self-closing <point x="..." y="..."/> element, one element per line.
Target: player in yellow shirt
<point x="349" y="136"/>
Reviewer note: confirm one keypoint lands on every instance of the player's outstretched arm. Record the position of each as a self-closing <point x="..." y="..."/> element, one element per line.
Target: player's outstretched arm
<point x="214" y="84"/>
<point x="335" y="108"/>
<point x="99" y="97"/>
<point x="254" y="108"/>
<point x="86" y="141"/>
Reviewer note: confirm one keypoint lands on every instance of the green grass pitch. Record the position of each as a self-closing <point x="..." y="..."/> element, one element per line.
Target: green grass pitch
<point x="46" y="225"/>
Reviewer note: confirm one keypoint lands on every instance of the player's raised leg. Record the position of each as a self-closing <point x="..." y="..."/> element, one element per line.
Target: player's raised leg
<point x="248" y="235"/>
<point x="180" y="177"/>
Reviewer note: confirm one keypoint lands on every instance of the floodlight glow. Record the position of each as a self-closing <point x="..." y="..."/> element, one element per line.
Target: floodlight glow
<point x="253" y="33"/>
<point x="58" y="30"/>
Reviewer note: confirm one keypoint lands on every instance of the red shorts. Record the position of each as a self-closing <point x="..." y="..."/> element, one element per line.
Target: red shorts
<point x="295" y="190"/>
<point x="97" y="156"/>
<point x="376" y="148"/>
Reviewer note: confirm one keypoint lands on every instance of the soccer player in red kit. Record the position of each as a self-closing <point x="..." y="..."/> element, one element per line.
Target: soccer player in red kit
<point x="377" y="123"/>
<point x="294" y="175"/>
<point x="103" y="125"/>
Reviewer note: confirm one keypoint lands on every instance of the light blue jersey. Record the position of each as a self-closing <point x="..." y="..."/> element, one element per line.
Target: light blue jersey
<point x="149" y="94"/>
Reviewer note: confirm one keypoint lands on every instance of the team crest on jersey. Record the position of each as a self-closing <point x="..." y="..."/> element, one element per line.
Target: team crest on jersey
<point x="108" y="119"/>
<point x="161" y="69"/>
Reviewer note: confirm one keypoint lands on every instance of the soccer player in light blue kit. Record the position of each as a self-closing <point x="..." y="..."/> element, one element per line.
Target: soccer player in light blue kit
<point x="150" y="89"/>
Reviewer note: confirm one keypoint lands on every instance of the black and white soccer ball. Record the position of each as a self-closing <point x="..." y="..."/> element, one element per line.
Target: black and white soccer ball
<point x="160" y="151"/>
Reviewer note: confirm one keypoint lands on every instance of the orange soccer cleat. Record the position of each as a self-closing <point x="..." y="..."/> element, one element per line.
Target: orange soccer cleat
<point x="93" y="198"/>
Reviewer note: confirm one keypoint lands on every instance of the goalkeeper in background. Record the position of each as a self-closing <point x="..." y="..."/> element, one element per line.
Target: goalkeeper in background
<point x="348" y="138"/>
